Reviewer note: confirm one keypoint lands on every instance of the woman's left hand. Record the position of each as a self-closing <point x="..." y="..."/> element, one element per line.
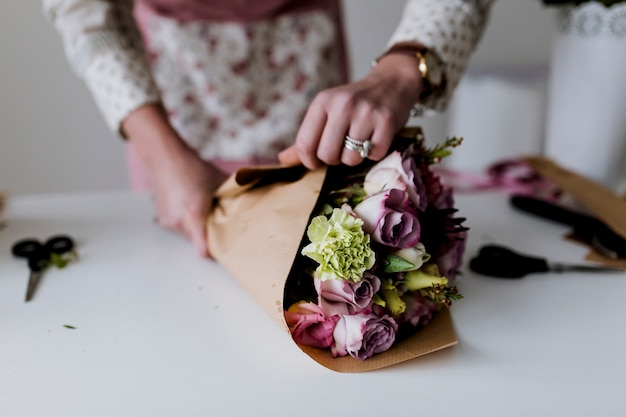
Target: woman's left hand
<point x="374" y="108"/>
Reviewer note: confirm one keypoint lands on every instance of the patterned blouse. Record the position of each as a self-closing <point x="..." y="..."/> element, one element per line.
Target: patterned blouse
<point x="236" y="77"/>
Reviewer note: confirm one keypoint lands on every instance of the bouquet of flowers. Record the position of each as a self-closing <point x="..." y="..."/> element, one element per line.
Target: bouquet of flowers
<point x="380" y="255"/>
<point x="354" y="261"/>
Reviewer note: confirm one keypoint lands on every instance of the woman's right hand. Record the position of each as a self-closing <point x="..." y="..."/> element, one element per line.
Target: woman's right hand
<point x="183" y="183"/>
<point x="372" y="109"/>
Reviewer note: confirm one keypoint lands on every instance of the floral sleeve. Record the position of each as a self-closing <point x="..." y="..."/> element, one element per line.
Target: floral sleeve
<point x="452" y="28"/>
<point x="104" y="48"/>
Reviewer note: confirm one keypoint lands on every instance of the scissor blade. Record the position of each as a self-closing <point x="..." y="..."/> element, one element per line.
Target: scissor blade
<point x="33" y="282"/>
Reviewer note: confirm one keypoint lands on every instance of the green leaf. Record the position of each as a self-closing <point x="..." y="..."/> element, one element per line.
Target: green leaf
<point x="67" y="326"/>
<point x="442" y="150"/>
<point x="58" y="260"/>
<point x="61" y="260"/>
<point x="395" y="263"/>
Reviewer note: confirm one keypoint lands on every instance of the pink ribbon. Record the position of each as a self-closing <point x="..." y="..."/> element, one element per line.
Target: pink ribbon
<point x="513" y="176"/>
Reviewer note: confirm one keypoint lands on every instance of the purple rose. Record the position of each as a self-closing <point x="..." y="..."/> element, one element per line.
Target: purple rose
<point x="450" y="255"/>
<point x="419" y="310"/>
<point x="362" y="336"/>
<point x="447" y="240"/>
<point x="400" y="172"/>
<point x="339" y="296"/>
<point x="309" y="326"/>
<point x="388" y="219"/>
<point x="439" y="196"/>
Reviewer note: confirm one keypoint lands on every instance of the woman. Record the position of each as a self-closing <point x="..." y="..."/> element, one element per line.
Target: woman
<point x="200" y="87"/>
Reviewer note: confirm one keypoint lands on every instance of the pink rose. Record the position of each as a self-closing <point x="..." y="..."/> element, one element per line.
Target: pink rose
<point x="339" y="296"/>
<point x="387" y="217"/>
<point x="399" y="172"/>
<point x="309" y="326"/>
<point x="362" y="336"/>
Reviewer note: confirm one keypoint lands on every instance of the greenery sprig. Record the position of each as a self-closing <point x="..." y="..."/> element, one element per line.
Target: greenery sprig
<point x="435" y="154"/>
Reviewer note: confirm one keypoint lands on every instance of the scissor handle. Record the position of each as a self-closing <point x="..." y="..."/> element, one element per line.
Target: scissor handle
<point x="35" y="250"/>
<point x="59" y="244"/>
<point x="27" y="248"/>
<point x="502" y="262"/>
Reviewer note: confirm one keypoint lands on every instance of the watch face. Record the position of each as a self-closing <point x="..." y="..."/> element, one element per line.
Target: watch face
<point x="435" y="73"/>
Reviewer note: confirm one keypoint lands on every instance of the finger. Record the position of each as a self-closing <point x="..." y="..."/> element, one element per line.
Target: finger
<point x="332" y="141"/>
<point x="181" y="230"/>
<point x="382" y="136"/>
<point x="309" y="134"/>
<point x="360" y="129"/>
<point x="194" y="229"/>
<point x="289" y="157"/>
<point x="199" y="240"/>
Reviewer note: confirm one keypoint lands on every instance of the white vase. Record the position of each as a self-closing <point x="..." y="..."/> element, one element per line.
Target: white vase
<point x="586" y="101"/>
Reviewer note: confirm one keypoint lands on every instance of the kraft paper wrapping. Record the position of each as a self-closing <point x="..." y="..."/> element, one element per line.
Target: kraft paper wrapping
<point x="256" y="227"/>
<point x="597" y="198"/>
<point x="255" y="232"/>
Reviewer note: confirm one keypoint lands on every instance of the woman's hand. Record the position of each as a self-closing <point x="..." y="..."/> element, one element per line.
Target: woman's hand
<point x="183" y="184"/>
<point x="374" y="108"/>
<point x="183" y="193"/>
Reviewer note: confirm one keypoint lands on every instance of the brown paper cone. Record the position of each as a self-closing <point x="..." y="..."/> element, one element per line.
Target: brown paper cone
<point x="437" y="335"/>
<point x="256" y="227"/>
<point x="255" y="232"/>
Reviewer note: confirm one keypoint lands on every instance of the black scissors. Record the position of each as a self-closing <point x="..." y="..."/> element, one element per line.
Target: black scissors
<point x="39" y="256"/>
<point x="587" y="228"/>
<point x="502" y="262"/>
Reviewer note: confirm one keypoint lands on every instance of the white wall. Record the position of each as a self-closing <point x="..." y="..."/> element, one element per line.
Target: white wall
<point x="51" y="135"/>
<point x="52" y="138"/>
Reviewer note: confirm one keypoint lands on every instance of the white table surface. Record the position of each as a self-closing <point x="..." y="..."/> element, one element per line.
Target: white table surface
<point x="160" y="332"/>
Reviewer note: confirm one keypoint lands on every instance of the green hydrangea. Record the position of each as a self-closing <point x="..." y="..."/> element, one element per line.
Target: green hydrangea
<point x="340" y="246"/>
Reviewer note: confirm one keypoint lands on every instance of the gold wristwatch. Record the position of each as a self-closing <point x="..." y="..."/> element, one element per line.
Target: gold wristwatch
<point x="431" y="70"/>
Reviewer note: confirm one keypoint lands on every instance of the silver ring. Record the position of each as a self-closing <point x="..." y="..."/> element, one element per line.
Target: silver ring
<point x="362" y="147"/>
